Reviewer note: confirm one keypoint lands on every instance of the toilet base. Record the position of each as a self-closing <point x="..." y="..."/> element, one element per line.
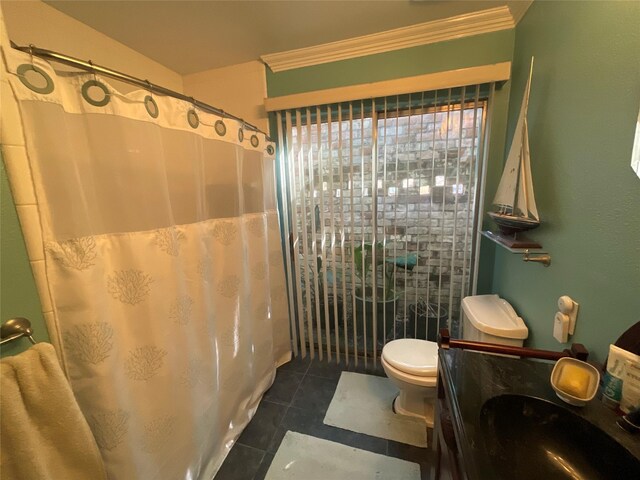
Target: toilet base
<point x="415" y="406"/>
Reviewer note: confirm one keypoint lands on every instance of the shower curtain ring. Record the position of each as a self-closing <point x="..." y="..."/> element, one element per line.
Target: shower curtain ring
<point x="31" y="47"/>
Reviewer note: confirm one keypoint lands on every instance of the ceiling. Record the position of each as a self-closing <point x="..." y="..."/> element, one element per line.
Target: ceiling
<point x="193" y="36"/>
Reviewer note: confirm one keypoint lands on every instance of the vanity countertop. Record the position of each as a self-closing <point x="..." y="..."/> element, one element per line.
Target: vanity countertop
<point x="472" y="378"/>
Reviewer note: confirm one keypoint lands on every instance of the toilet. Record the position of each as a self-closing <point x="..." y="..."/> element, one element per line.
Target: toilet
<point x="412" y="364"/>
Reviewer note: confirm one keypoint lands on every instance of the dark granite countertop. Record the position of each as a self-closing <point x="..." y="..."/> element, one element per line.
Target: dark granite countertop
<point x="472" y="378"/>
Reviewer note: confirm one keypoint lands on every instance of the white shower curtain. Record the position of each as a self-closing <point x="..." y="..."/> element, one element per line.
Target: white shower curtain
<point x="162" y="259"/>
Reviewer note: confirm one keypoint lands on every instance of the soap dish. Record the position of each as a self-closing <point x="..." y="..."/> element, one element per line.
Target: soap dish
<point x="574" y="381"/>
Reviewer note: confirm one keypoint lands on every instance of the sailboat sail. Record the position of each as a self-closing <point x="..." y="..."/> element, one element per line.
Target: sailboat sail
<point x="531" y="201"/>
<point x="506" y="193"/>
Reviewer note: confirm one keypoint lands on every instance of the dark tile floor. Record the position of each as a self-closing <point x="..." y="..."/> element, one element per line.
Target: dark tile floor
<point x="298" y="401"/>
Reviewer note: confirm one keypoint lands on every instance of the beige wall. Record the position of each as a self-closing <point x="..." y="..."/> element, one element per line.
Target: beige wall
<point x="37" y="23"/>
<point x="238" y="89"/>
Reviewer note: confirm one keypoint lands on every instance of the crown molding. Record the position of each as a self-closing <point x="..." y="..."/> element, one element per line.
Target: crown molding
<point x="483" y="21"/>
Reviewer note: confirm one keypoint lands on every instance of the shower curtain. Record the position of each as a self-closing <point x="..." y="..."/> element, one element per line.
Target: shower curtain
<point x="163" y="278"/>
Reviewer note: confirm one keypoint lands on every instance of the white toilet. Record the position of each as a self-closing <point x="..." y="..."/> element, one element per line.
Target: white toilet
<point x="412" y="365"/>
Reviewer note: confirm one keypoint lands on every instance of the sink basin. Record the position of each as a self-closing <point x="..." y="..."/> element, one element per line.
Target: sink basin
<point x="529" y="438"/>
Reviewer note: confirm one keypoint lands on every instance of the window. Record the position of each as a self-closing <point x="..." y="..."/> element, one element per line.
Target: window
<point x="399" y="181"/>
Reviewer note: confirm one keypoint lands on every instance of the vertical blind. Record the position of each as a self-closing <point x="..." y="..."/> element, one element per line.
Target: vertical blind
<point x="380" y="208"/>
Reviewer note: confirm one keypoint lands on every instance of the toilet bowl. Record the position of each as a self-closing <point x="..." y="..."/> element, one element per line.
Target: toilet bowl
<point x="412" y="365"/>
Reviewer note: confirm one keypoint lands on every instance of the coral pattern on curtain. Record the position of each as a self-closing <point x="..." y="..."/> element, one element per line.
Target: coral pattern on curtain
<point x="163" y="262"/>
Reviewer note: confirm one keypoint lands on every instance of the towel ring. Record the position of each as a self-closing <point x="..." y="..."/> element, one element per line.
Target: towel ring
<point x="16" y="328"/>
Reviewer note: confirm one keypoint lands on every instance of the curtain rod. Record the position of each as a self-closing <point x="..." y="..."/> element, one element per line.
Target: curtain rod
<point x="123" y="77"/>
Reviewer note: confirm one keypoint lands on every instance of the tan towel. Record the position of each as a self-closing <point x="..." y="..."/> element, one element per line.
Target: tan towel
<point x="44" y="434"/>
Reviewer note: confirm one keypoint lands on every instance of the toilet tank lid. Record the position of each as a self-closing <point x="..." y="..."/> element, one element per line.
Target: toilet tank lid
<point x="412" y="356"/>
<point x="495" y="316"/>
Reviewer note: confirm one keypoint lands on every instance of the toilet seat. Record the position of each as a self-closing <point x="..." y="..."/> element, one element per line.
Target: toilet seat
<point x="412" y="357"/>
<point x="416" y="380"/>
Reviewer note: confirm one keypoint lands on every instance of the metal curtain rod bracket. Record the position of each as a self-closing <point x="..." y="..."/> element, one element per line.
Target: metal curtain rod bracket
<point x="89" y="66"/>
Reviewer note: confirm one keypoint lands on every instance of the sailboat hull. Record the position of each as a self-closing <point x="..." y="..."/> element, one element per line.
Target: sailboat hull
<point x="510" y="224"/>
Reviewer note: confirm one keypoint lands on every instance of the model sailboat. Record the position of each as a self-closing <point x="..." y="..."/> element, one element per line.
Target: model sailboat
<point x="515" y="203"/>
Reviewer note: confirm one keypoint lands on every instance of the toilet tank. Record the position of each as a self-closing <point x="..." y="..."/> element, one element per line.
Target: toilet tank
<point x="489" y="318"/>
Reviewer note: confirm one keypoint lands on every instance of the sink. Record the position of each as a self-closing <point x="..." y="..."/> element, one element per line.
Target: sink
<point x="530" y="438"/>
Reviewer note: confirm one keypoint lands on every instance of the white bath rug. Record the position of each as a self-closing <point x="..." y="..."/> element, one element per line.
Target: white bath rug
<point x="362" y="403"/>
<point x="304" y="457"/>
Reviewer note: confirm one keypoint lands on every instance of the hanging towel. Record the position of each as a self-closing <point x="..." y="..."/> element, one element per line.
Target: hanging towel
<point x="44" y="434"/>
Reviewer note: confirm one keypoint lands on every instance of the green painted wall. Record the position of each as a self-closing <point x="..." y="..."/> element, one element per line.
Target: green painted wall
<point x="584" y="104"/>
<point x="18" y="295"/>
<point x="466" y="52"/>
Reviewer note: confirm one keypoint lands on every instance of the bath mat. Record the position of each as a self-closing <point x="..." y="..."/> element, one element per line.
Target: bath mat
<point x="304" y="457"/>
<point x="362" y="403"/>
